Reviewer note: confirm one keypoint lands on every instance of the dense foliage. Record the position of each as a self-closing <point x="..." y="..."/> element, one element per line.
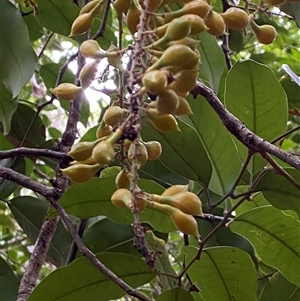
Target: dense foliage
<point x="149" y="150"/>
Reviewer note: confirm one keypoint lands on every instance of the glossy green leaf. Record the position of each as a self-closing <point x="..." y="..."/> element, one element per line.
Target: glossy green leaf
<point x="278" y="288"/>
<point x="175" y="294"/>
<point x="293" y="9"/>
<point x="81" y="280"/>
<point x="212" y="61"/>
<point x="162" y="261"/>
<point x="18" y="60"/>
<point x="254" y="95"/>
<point x="8" y="106"/>
<point x="218" y="144"/>
<point x="21" y="122"/>
<point x="292" y="91"/>
<point x="118" y="238"/>
<point x="236" y="40"/>
<point x="279" y="191"/>
<point x="92" y="198"/>
<point x="9" y="283"/>
<point x="35" y="29"/>
<point x="29" y="213"/>
<point x="223" y="274"/>
<point x="275" y="237"/>
<point x="178" y="151"/>
<point x="8" y="187"/>
<point x="65" y="13"/>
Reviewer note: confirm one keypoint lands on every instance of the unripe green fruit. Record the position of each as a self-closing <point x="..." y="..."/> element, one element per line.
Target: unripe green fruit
<point x="235" y="18"/>
<point x="88" y="73"/>
<point x="91" y="49"/>
<point x="155" y="81"/>
<point x="182" y="221"/>
<point x="103" y="152"/>
<point x="177" y="57"/>
<point x="167" y="102"/>
<point x="66" y="91"/>
<point x="80" y="173"/>
<point x="113" y="115"/>
<point x="174" y="189"/>
<point x="177" y="29"/>
<point x="103" y="130"/>
<point x="163" y="123"/>
<point x="82" y="150"/>
<point x="265" y="34"/>
<point x="139" y="150"/>
<point x="197" y="7"/>
<point x="154" y="149"/>
<point x="215" y="23"/>
<point x="193" y="44"/>
<point x="197" y="24"/>
<point x="186" y="201"/>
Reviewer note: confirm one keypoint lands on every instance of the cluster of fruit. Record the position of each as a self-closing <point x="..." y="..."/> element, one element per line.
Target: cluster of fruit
<point x="175" y="201"/>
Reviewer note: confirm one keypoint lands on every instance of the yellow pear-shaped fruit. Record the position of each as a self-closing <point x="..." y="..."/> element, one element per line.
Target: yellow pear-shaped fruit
<point x="177" y="56"/>
<point x="167" y="102"/>
<point x="197" y="24"/>
<point x="174" y="189"/>
<point x="183" y="107"/>
<point x="155" y="81"/>
<point x="235" y="18"/>
<point x="154" y="149"/>
<point x="80" y="173"/>
<point x="103" y="130"/>
<point x="215" y="23"/>
<point x="265" y="34"/>
<point x="113" y="115"/>
<point x="121" y="198"/>
<point x="66" y="91"/>
<point x="122" y="6"/>
<point x="186" y="201"/>
<point x="91" y="49"/>
<point x="184" y="80"/>
<point x="197" y="7"/>
<point x="88" y="7"/>
<point x="88" y="73"/>
<point x="138" y="149"/>
<point x="133" y="18"/>
<point x="122" y="180"/>
<point x="182" y="221"/>
<point x="82" y="150"/>
<point x="163" y="123"/>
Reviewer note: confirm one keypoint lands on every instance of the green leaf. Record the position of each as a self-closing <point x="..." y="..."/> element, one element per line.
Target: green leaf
<point x="9" y="283"/>
<point x="29" y="212"/>
<point x="293" y="9"/>
<point x="81" y="280"/>
<point x="8" y="106"/>
<point x="278" y="288"/>
<point x="18" y="60"/>
<point x="275" y="237"/>
<point x="35" y="30"/>
<point x="212" y="61"/>
<point x="218" y="144"/>
<point x="179" y="149"/>
<point x="175" y="294"/>
<point x="254" y="95"/>
<point x="162" y="261"/>
<point x="118" y="238"/>
<point x="57" y="15"/>
<point x="8" y="187"/>
<point x="49" y="74"/>
<point x="21" y="122"/>
<point x="223" y="274"/>
<point x="92" y="199"/>
<point x="279" y="191"/>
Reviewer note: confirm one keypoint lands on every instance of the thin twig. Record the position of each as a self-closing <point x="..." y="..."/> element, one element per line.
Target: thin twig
<point x="34" y="152"/>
